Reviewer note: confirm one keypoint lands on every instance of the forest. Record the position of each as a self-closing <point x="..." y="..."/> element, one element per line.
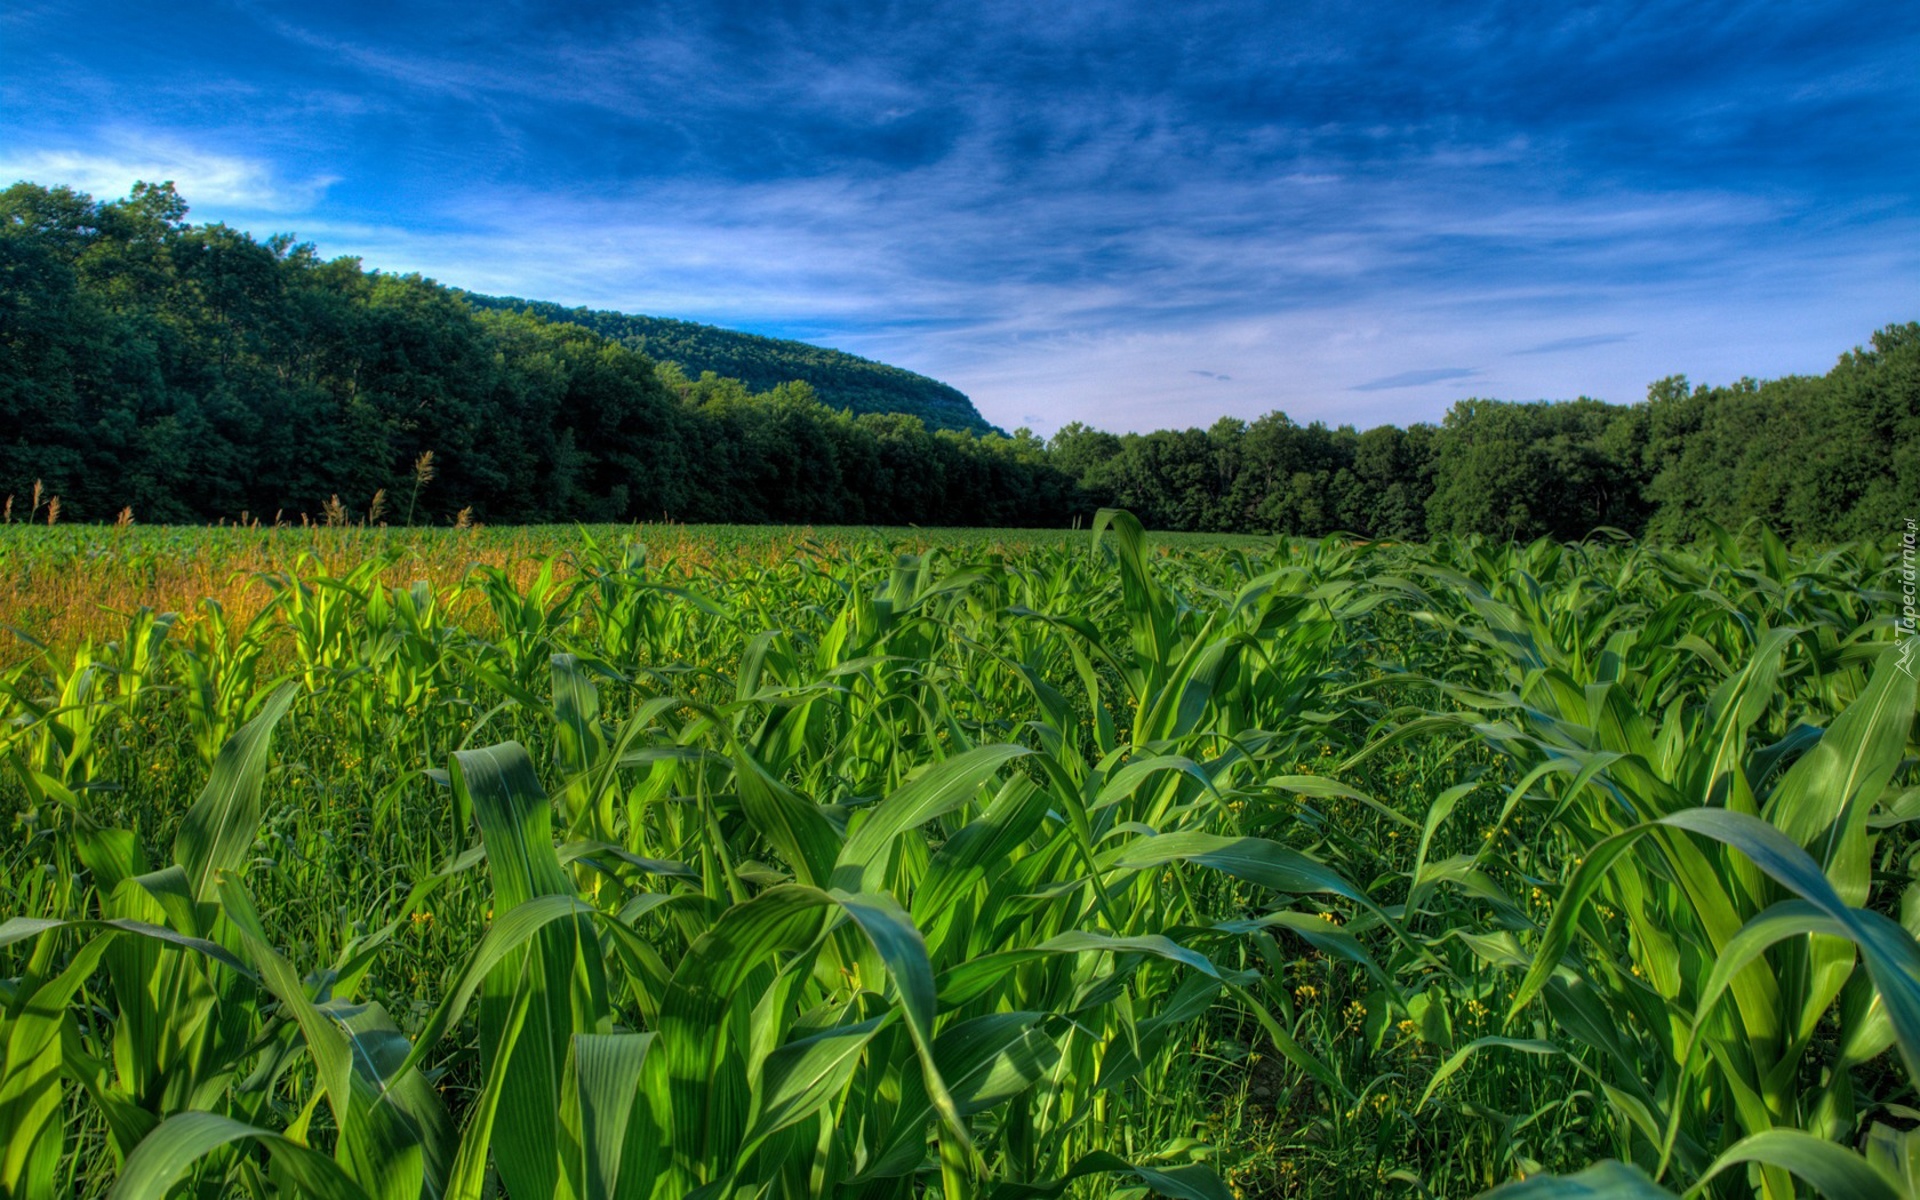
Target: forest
<point x="839" y="380"/>
<point x="192" y="373"/>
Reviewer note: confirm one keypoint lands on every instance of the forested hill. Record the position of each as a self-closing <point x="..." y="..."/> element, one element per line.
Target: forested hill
<point x="179" y="373"/>
<point x="838" y="379"/>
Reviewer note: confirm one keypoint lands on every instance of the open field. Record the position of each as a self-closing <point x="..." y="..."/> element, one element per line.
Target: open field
<point x="757" y="862"/>
<point x="66" y="584"/>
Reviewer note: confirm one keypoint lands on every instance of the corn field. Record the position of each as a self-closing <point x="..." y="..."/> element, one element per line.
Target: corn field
<point x="863" y="866"/>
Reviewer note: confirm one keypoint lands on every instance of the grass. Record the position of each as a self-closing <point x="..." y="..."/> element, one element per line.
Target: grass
<point x="669" y="862"/>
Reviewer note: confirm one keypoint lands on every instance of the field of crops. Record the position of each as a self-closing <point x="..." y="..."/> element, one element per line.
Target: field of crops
<point x="725" y="863"/>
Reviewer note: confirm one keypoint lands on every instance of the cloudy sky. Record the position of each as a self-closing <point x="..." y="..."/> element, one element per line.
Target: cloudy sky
<point x="1133" y="214"/>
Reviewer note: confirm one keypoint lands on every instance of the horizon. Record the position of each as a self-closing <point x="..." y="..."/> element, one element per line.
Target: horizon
<point x="1131" y="219"/>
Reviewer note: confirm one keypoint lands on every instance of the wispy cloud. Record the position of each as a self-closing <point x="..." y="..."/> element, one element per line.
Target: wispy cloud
<point x="1057" y="216"/>
<point x="1408" y="379"/>
<point x="1581" y="342"/>
<point x="119" y="160"/>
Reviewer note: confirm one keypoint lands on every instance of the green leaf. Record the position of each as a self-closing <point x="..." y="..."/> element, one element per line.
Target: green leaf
<point x="972" y="979"/>
<point x="1834" y="1170"/>
<point x="391" y="1123"/>
<point x="1255" y="860"/>
<point x="561" y="966"/>
<point x="607" y="1078"/>
<point x="936" y="791"/>
<point x="469" y="1178"/>
<point x="892" y="933"/>
<point x="579" y="741"/>
<point x="30" y="1099"/>
<point x="20" y="928"/>
<point x="219" y="830"/>
<point x="1459" y="1057"/>
<point x="984" y="1061"/>
<point x="163" y="1157"/>
<point x="1787" y="919"/>
<point x="1123" y="782"/>
<point x="700" y="1042"/>
<point x="793" y="824"/>
<point x="1604" y="1180"/>
<point x="800" y="1077"/>
<point x="1320" y="788"/>
<point x="1826" y="797"/>
<point x="1890" y="953"/>
<point x="1183" y="1183"/>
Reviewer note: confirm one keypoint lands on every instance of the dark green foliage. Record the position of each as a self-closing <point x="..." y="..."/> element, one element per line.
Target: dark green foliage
<point x="1267" y="476"/>
<point x="840" y="380"/>
<point x="196" y="374"/>
<point x="1817" y="458"/>
<point x="1525" y="470"/>
<point x="1821" y="459"/>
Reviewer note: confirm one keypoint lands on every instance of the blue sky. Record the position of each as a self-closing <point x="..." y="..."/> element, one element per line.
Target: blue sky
<point x="1137" y="215"/>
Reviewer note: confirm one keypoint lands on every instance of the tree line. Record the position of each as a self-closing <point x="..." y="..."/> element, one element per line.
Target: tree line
<point x="839" y="380"/>
<point x="193" y="373"/>
<point x="1817" y="458"/>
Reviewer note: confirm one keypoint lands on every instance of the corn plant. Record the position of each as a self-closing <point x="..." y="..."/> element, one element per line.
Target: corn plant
<point x="770" y="864"/>
<point x="1719" y="965"/>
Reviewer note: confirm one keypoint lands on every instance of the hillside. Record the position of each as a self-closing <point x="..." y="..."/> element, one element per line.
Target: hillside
<point x="841" y="380"/>
<point x="183" y="373"/>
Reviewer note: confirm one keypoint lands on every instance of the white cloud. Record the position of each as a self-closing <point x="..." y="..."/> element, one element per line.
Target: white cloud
<point x="206" y="179"/>
<point x="1296" y="314"/>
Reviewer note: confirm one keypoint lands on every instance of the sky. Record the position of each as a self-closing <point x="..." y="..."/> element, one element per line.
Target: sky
<point x="1135" y="215"/>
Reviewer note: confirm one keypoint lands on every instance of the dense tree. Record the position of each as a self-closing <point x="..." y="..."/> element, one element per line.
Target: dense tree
<point x="1821" y="458"/>
<point x="1390" y="480"/>
<point x="840" y="380"/>
<point x="1527" y="470"/>
<point x="196" y="373"/>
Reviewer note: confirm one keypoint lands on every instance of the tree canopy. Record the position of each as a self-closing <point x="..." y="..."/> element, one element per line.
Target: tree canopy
<point x="840" y="380"/>
<point x="195" y="373"/>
